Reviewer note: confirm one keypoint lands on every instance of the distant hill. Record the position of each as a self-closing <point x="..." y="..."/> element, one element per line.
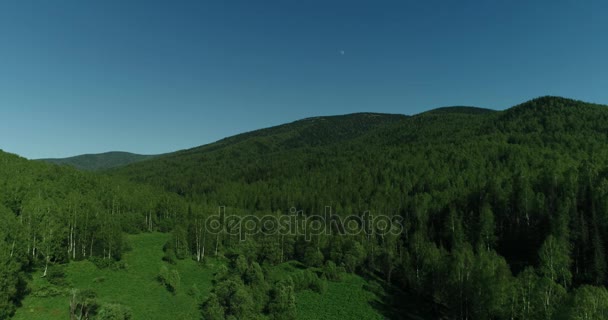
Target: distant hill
<point x="100" y="161"/>
<point x="224" y="160"/>
<point x="461" y="110"/>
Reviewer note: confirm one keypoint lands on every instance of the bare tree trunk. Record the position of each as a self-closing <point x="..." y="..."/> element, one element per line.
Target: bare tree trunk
<point x="217" y="243"/>
<point x="73" y="305"/>
<point x="46" y="266"/>
<point x="34" y="248"/>
<point x="91" y="250"/>
<point x="282" y="247"/>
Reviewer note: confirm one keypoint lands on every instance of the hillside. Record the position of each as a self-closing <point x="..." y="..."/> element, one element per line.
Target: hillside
<point x="53" y="215"/>
<point x="100" y="161"/>
<point x="514" y="199"/>
<point x="134" y="286"/>
<point x="460" y="109"/>
<point x="195" y="166"/>
<point x="464" y="214"/>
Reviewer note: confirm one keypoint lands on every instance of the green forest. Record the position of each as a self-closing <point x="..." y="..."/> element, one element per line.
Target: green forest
<point x="502" y="215"/>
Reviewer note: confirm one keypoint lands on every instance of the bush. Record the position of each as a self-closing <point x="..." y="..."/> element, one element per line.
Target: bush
<point x="114" y="312"/>
<point x="103" y="263"/>
<point x="99" y="279"/>
<point x="332" y="272"/>
<point x="56" y="275"/>
<point x="308" y="280"/>
<point x="169" y="278"/>
<point x="313" y="257"/>
<point x="169" y="256"/>
<point x="46" y="290"/>
<point x="195" y="292"/>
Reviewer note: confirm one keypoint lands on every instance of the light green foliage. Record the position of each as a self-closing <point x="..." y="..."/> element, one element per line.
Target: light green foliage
<point x="586" y="303"/>
<point x="114" y="312"/>
<point x="135" y="287"/>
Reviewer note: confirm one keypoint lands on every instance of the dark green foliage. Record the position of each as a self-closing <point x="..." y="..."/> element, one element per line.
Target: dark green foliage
<point x="243" y="292"/>
<point x="170" y="278"/>
<point x="212" y="310"/>
<point x="504" y="214"/>
<point x="52" y="215"/>
<point x="114" y="312"/>
<point x="484" y="197"/>
<point x="283" y="301"/>
<point x="93" y="162"/>
<point x="331" y="272"/>
<point x="308" y="280"/>
<point x="102" y="263"/>
<point x="169" y="256"/>
<point x="313" y="257"/>
<point x="83" y="304"/>
<point x="56" y="276"/>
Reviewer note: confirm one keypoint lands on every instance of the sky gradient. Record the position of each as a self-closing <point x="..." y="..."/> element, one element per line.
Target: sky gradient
<point x="158" y="76"/>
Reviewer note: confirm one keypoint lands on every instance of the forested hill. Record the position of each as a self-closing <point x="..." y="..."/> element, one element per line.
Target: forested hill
<point x="311" y="144"/>
<point x="100" y="161"/>
<point x="315" y="131"/>
<point x="460" y="109"/>
<point x="505" y="213"/>
<point x="190" y="166"/>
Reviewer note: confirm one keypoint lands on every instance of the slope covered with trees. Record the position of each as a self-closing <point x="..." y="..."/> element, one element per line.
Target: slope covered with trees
<point x="504" y="214"/>
<point x="100" y="161"/>
<point x="52" y="215"/>
<point x="492" y="215"/>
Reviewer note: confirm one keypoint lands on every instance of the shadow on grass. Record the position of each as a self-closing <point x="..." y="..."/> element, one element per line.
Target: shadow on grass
<point x="396" y="303"/>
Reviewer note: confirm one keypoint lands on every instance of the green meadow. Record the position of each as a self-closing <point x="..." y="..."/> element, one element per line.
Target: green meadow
<point x="135" y="286"/>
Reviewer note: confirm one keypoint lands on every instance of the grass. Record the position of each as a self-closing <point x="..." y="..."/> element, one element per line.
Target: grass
<point x="347" y="299"/>
<point x="135" y="286"/>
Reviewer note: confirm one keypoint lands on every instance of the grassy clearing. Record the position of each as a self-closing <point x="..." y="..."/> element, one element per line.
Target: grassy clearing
<point x="135" y="286"/>
<point x="347" y="299"/>
<point x="350" y="298"/>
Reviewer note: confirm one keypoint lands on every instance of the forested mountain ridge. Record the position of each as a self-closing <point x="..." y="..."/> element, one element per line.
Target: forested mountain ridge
<point x="504" y="212"/>
<point x="313" y="133"/>
<point x="100" y="161"/>
<point x="460" y="109"/>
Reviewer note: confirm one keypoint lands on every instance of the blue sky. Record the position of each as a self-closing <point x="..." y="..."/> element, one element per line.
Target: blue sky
<point x="157" y="76"/>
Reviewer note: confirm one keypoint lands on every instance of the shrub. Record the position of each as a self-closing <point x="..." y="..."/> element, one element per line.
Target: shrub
<point x="46" y="290"/>
<point x="103" y="263"/>
<point x="56" y="275"/>
<point x="308" y="280"/>
<point x="99" y="279"/>
<point x="332" y="272"/>
<point x="114" y="312"/>
<point x="169" y="278"/>
<point x="169" y="256"/>
<point x="195" y="292"/>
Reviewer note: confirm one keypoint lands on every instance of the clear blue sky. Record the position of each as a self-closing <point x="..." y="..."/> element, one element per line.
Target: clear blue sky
<point x="157" y="76"/>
